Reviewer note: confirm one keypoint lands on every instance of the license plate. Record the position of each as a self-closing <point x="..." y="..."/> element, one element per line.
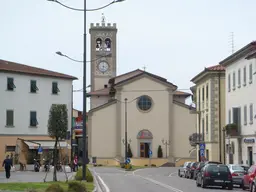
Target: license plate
<point x="218" y="181"/>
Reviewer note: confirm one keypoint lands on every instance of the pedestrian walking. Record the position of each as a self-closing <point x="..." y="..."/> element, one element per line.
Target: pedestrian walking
<point x="7" y="164"/>
<point x="75" y="163"/>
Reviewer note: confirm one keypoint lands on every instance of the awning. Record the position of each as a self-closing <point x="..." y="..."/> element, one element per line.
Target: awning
<point x="46" y="144"/>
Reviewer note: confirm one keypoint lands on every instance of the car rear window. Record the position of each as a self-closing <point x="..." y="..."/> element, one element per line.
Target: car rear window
<point x="216" y="168"/>
<point x="237" y="168"/>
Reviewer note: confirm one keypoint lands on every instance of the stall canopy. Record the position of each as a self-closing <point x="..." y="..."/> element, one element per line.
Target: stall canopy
<point x="46" y="144"/>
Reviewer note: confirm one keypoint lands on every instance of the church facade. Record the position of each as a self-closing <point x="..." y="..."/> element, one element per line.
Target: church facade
<point x="147" y="107"/>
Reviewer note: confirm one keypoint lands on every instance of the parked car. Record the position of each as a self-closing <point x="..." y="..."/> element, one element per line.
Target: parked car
<point x="249" y="177"/>
<point x="215" y="175"/>
<point x="188" y="169"/>
<point x="246" y="167"/>
<point x="191" y="170"/>
<point x="212" y="162"/>
<point x="253" y="185"/>
<point x="237" y="173"/>
<point x="200" y="165"/>
<point x="182" y="170"/>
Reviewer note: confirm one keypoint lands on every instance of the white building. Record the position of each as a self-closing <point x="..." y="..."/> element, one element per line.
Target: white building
<point x="27" y="94"/>
<point x="241" y="103"/>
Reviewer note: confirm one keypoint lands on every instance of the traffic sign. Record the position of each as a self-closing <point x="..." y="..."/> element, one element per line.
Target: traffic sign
<point x="202" y="146"/>
<point x="40" y="150"/>
<point x="201" y="153"/>
<point x="150" y="152"/>
<point x="128" y="161"/>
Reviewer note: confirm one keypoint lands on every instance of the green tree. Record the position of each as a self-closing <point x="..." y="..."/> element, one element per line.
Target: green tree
<point x="159" y="152"/>
<point x="57" y="129"/>
<point x="129" y="151"/>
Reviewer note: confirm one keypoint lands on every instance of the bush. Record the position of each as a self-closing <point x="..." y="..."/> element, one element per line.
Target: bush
<point x="100" y="165"/>
<point x="79" y="175"/>
<point x="153" y="165"/>
<point x="76" y="187"/>
<point x="146" y="165"/>
<point x="159" y="152"/>
<point x="129" y="152"/>
<point x="95" y="165"/>
<point x="128" y="166"/>
<point x="54" y="188"/>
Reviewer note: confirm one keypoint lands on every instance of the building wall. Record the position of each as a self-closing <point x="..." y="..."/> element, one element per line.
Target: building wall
<point x="22" y="102"/>
<point x="184" y="125"/>
<point x="102" y="131"/>
<point x="138" y="120"/>
<point x="97" y="101"/>
<point x="241" y="96"/>
<point x="209" y="107"/>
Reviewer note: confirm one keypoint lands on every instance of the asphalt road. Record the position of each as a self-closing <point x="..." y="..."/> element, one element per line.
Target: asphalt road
<point x="148" y="180"/>
<point x="28" y="176"/>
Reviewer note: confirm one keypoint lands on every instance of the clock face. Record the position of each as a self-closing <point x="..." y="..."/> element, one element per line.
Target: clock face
<point x="103" y="66"/>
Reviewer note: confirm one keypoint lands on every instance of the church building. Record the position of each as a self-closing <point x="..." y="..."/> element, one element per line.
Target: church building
<point x="147" y="107"/>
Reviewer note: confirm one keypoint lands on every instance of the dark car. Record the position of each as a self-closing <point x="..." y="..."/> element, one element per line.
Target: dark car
<point x="192" y="169"/>
<point x="212" y="162"/>
<point x="215" y="175"/>
<point x="200" y="165"/>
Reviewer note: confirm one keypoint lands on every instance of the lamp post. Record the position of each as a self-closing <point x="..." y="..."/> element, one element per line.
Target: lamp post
<point x="85" y="155"/>
<point x="125" y="122"/>
<point x="166" y="143"/>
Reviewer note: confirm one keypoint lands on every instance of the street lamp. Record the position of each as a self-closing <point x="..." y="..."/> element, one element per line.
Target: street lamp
<point x="85" y="156"/>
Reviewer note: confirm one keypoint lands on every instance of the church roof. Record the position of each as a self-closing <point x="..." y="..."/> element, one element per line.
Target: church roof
<point x="129" y="76"/>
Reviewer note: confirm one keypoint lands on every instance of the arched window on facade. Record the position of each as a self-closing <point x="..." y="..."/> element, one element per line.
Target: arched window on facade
<point x="107" y="44"/>
<point x="98" y="44"/>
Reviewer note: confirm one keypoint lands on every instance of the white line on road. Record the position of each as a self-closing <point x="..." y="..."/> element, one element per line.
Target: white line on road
<point x="157" y="182"/>
<point x="104" y="184"/>
<point x="172" y="174"/>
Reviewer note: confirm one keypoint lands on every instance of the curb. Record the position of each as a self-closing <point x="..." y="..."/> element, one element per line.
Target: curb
<point x="97" y="185"/>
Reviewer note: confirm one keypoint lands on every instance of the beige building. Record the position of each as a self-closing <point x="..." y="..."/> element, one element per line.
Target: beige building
<point x="209" y="97"/>
<point x="155" y="112"/>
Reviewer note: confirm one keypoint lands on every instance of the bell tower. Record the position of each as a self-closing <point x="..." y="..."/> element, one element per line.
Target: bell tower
<point x="103" y="53"/>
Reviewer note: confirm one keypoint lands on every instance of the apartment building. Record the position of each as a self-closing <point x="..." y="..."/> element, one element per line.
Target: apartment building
<point x="27" y="94"/>
<point x="209" y="97"/>
<point x="241" y="103"/>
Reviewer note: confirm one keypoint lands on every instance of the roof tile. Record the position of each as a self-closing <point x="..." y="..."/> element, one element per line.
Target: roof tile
<point x="12" y="67"/>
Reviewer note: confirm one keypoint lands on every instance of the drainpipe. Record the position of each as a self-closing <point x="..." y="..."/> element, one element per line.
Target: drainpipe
<point x="220" y="146"/>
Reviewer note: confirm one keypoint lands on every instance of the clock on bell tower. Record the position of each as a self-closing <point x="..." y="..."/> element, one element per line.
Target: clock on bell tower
<point x="103" y="54"/>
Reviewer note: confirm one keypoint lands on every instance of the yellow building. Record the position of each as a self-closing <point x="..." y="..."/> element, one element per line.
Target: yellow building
<point x="209" y="97"/>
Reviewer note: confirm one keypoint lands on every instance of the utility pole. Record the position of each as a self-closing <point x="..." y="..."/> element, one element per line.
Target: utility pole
<point x="85" y="157"/>
<point x="125" y="117"/>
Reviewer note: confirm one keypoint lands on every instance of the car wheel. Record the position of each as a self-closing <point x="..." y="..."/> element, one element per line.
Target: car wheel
<point x="230" y="187"/>
<point x="202" y="183"/>
<point x="197" y="184"/>
<point x="253" y="187"/>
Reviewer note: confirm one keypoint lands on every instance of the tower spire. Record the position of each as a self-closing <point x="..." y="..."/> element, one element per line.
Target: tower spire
<point x="103" y="18"/>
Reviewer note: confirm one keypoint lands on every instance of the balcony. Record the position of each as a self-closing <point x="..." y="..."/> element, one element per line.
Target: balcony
<point x="195" y="139"/>
<point x="232" y="130"/>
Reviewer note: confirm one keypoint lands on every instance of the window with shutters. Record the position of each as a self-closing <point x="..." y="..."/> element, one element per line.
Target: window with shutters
<point x="239" y="78"/>
<point x="10" y="84"/>
<point x="251" y="113"/>
<point x="229" y="82"/>
<point x="33" y="119"/>
<point x="234" y="80"/>
<point x="245" y="76"/>
<point x="33" y="86"/>
<point x="245" y="115"/>
<point x="250" y="73"/>
<point x="55" y="88"/>
<point x="9" y="118"/>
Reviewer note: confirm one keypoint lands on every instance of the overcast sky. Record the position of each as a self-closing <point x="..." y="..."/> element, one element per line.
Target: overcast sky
<point x="175" y="39"/>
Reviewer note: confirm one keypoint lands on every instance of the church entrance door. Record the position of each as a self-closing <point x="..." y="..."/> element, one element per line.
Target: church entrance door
<point x="144" y="150"/>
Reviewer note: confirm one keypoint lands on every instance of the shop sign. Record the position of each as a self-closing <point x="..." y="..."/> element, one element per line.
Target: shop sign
<point x="249" y="140"/>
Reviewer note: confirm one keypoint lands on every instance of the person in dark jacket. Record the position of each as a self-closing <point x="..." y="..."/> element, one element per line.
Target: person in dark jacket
<point x="7" y="164"/>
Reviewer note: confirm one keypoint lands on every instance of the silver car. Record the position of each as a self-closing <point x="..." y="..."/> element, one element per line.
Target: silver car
<point x="237" y="173"/>
<point x="183" y="169"/>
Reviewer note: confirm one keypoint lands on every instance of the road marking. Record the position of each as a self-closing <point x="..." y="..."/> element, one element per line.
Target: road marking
<point x="172" y="174"/>
<point x="157" y="182"/>
<point x="104" y="184"/>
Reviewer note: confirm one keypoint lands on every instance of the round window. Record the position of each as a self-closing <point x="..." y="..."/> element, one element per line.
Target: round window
<point x="144" y="103"/>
